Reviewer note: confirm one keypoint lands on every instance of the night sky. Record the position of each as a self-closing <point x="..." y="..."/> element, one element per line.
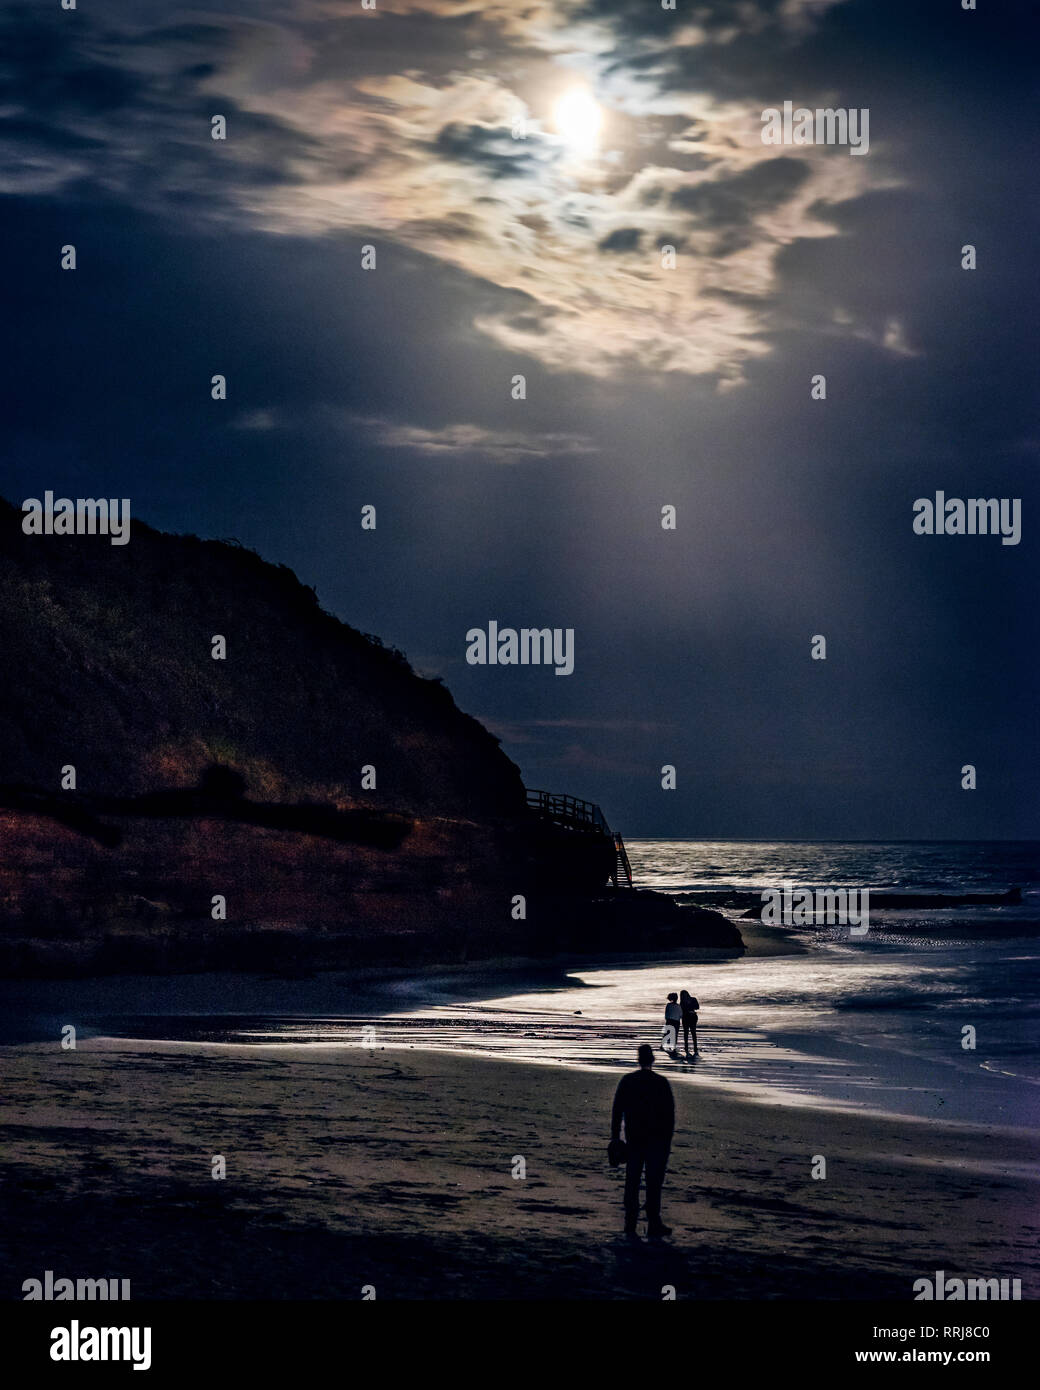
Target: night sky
<point x="645" y="386"/>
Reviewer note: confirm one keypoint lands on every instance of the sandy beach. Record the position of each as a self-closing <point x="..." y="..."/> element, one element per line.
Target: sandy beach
<point x="393" y="1168"/>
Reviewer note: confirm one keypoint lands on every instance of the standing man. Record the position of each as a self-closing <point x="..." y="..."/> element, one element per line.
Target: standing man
<point x="644" y="1102"/>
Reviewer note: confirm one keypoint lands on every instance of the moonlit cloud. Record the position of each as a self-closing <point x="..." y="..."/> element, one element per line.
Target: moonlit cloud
<point x="460" y="440"/>
<point x="404" y="124"/>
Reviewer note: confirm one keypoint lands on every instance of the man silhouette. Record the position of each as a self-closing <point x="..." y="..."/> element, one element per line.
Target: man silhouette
<point x="644" y="1101"/>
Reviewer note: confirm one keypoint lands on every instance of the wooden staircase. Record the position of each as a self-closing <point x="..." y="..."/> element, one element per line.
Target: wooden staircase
<point x="622" y="875"/>
<point x="583" y="818"/>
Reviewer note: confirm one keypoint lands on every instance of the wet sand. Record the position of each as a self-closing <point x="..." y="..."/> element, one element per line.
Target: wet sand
<point x="394" y="1168"/>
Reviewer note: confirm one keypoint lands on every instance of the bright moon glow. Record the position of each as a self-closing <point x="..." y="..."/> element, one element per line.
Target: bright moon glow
<point x="578" y="117"/>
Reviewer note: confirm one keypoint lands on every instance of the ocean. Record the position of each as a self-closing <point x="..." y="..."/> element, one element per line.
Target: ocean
<point x="717" y="873"/>
<point x="934" y="1014"/>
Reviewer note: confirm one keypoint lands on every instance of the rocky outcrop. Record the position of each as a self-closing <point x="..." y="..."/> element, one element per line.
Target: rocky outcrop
<point x="633" y="920"/>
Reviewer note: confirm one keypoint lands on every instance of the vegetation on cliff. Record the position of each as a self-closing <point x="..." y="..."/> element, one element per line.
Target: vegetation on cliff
<point x="109" y="667"/>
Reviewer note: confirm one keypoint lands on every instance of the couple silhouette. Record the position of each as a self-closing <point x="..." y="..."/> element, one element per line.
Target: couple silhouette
<point x="680" y="1012"/>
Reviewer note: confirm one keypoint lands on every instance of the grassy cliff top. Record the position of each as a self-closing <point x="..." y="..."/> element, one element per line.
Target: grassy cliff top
<point x="107" y="653"/>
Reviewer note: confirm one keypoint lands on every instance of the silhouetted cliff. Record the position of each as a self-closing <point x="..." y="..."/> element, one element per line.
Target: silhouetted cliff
<point x="307" y="800"/>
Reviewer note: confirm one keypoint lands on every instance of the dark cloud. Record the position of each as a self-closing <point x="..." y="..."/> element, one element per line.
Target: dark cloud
<point x="622" y="239"/>
<point x="736" y="201"/>
<point x="41" y="68"/>
<point x="146" y="136"/>
<point x="494" y="151"/>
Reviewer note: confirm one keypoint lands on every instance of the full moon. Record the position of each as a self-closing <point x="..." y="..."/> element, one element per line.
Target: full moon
<point x="578" y="117"/>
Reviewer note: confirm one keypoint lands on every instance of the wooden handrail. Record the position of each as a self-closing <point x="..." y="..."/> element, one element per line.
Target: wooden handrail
<point x="568" y="810"/>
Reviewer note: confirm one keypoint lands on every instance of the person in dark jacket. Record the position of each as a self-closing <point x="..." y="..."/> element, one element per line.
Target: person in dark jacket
<point x="689" y="1006"/>
<point x="643" y="1101"/>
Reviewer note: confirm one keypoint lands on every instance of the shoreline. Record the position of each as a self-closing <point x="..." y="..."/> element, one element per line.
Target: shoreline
<point x="278" y="989"/>
<point x="569" y="1014"/>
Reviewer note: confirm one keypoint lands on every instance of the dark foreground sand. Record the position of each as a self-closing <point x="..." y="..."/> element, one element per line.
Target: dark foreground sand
<point x="393" y="1168"/>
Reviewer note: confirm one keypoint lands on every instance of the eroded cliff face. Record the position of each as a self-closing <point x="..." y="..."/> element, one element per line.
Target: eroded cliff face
<point x="292" y="900"/>
<point x="239" y="778"/>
